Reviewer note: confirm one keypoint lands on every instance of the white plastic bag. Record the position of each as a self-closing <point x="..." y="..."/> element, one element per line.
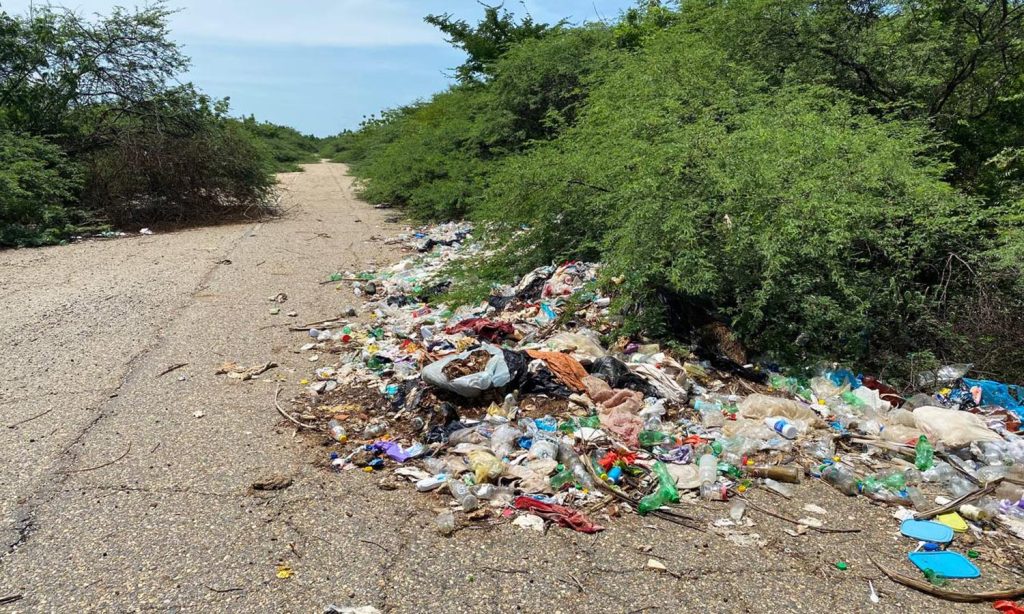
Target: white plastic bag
<point x="953" y="427"/>
<point x="494" y="375"/>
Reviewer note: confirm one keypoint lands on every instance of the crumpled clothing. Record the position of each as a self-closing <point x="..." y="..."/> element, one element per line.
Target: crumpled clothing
<point x="482" y="328"/>
<point x="567" y="517"/>
<point x="617" y="409"/>
<point x="565" y="367"/>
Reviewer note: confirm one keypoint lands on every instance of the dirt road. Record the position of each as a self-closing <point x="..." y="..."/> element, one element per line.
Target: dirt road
<point x="116" y="497"/>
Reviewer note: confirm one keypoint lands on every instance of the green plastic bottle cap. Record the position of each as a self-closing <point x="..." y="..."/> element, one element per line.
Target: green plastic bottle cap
<point x="841" y="566"/>
<point x="973" y="554"/>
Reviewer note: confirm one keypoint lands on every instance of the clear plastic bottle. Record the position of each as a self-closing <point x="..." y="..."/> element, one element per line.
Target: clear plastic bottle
<point x="337" y="431"/>
<point x="568" y="457"/>
<point x="707" y="469"/>
<point x="841" y="478"/>
<point x="463" y="495"/>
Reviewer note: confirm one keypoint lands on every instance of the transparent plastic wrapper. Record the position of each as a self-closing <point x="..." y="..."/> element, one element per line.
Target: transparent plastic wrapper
<point x="584" y="342"/>
<point x="761" y="406"/>
<point x="952" y="427"/>
<point x="485" y="466"/>
<point x="494" y="375"/>
<point x="503" y="440"/>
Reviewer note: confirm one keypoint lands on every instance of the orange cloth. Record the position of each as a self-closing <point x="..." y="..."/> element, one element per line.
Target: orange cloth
<point x="565" y="367"/>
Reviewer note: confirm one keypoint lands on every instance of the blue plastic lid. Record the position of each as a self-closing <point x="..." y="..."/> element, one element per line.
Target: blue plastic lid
<point x="945" y="564"/>
<point x="927" y="531"/>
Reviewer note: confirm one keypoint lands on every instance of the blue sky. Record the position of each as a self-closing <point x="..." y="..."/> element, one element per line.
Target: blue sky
<point x="321" y="65"/>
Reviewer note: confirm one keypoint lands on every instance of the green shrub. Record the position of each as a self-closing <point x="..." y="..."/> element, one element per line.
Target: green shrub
<point x="38" y="187"/>
<point x="286" y="147"/>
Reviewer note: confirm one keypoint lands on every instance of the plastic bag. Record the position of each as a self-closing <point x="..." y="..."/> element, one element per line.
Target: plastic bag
<point x="760" y="406"/>
<point x="494" y="375"/>
<point x="583" y="342"/>
<point x="952" y="427"/>
<point x="485" y="466"/>
<point x="503" y="441"/>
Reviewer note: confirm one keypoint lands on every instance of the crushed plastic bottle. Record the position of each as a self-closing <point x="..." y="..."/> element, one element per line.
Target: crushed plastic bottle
<point x="463" y="495"/>
<point x="841" y="478"/>
<point x="666" y="492"/>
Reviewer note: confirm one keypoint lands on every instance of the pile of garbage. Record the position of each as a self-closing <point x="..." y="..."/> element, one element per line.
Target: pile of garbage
<point x="518" y="411"/>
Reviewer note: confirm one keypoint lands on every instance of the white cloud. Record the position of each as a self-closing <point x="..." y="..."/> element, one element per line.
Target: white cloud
<point x="337" y="23"/>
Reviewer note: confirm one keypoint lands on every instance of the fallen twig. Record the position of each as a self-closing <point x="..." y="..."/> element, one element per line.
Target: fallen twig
<point x="172" y="368"/>
<point x="496" y="570"/>
<point x="925" y="587"/>
<point x="373" y="543"/>
<point x="10" y="599"/>
<point x="17" y="424"/>
<point x="956" y="503"/>
<point x="758" y="508"/>
<point x="224" y="590"/>
<point x="286" y="414"/>
<point x="106" y="464"/>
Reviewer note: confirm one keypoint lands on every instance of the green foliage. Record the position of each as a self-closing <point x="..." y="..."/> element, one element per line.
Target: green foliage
<point x="832" y="179"/>
<point x="488" y="41"/>
<point x="287" y="147"/>
<point x="113" y="140"/>
<point x="38" y="185"/>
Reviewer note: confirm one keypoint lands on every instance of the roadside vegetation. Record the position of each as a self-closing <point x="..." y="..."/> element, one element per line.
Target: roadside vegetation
<point x="95" y="131"/>
<point x="831" y="179"/>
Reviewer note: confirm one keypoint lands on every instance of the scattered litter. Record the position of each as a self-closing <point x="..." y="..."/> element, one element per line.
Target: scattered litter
<point x="284" y="572"/>
<point x="533" y="407"/>
<point x="529" y="521"/>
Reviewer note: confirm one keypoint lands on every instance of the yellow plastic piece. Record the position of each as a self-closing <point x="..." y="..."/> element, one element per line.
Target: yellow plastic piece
<point x="953" y="521"/>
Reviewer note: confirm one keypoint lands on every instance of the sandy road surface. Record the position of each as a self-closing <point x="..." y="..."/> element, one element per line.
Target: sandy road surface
<point x="171" y="525"/>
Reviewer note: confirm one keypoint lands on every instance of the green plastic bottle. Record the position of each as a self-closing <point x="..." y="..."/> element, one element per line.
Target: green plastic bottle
<point x="730" y="470"/>
<point x="666" y="492"/>
<point x="563" y="475"/>
<point x="895" y="482"/>
<point x="649" y="439"/>
<point x="925" y="454"/>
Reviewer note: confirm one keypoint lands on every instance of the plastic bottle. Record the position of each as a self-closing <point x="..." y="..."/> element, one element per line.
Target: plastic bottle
<point x="782" y="427"/>
<point x="543" y="448"/>
<point x="375" y="429"/>
<point x="567" y="456"/>
<point x="463" y="495"/>
<point x="707" y="469"/>
<point x="665" y="493"/>
<point x="920" y="501"/>
<point x="975" y="513"/>
<point x="445" y="523"/>
<point x="925" y="454"/>
<point x="561" y="477"/>
<point x="790" y="475"/>
<point x="649" y="439"/>
<point x="841" y="478"/>
<point x="338" y="432"/>
<point x="710" y="412"/>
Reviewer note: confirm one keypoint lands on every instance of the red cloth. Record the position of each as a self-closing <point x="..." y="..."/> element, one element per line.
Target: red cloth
<point x="567" y="517"/>
<point x="482" y="328"/>
<point x="1008" y="607"/>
